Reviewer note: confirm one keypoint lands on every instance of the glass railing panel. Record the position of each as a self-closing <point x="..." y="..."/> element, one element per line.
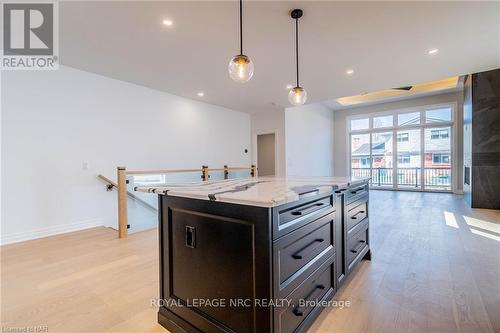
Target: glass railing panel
<point x="140" y="216"/>
<point x="216" y="175"/>
<point x="142" y="212"/>
<point x="239" y="174"/>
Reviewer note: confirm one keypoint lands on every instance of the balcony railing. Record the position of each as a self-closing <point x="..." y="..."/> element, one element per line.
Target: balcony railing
<point x="435" y="178"/>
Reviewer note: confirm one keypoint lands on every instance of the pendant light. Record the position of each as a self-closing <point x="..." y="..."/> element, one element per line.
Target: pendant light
<point x="241" y="67"/>
<point x="297" y="95"/>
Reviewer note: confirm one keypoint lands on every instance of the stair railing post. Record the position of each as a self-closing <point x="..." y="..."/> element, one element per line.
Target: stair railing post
<point x="122" y="201"/>
<point x="204" y="172"/>
<point x="253" y="171"/>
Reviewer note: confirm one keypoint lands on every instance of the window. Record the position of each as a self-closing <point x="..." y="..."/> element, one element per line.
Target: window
<point x="360" y="152"/>
<point x="440" y="134"/>
<point x="404" y="158"/>
<point x="438" y="115"/>
<point x="412" y="118"/>
<point x="404" y="148"/>
<point x="360" y="124"/>
<point x="441" y="158"/>
<point x="384" y="121"/>
<point x="365" y="162"/>
<point x="403" y="137"/>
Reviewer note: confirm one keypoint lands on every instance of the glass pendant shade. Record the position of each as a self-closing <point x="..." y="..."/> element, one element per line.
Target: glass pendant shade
<point x="240" y="68"/>
<point x="297" y="96"/>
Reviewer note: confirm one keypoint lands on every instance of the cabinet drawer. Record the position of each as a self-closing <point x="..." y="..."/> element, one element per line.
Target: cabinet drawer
<point x="300" y="313"/>
<point x="357" y="246"/>
<point x="356" y="215"/>
<point x="293" y="216"/>
<point x="355" y="193"/>
<point x="297" y="254"/>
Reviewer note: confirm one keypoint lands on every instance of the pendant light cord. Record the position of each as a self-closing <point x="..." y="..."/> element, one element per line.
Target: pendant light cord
<point x="297" y="48"/>
<point x="241" y="26"/>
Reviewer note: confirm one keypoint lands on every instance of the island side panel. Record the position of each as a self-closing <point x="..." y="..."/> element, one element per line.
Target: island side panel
<point x="212" y="250"/>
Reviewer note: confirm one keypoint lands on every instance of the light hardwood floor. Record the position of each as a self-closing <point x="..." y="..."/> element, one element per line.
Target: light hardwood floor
<point x="435" y="268"/>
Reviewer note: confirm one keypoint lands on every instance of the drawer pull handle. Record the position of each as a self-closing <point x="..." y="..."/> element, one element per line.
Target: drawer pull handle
<point x="358" y="190"/>
<point x="340" y="191"/>
<point x="307" y="209"/>
<point x="298" y="311"/>
<point x="190" y="236"/>
<point x="355" y="217"/>
<point x="300" y="254"/>
<point x="359" y="247"/>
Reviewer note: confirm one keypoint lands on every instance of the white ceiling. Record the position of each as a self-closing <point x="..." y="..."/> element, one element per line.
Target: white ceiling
<point x="386" y="44"/>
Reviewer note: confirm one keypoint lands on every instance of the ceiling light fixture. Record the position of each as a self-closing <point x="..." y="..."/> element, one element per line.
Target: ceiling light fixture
<point x="201" y="94"/>
<point x="349" y="71"/>
<point x="241" y="67"/>
<point x="289" y="86"/>
<point x="433" y="51"/>
<point x="297" y="95"/>
<point x="168" y="23"/>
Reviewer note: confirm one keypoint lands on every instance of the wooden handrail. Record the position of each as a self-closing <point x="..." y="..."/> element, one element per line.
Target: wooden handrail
<point x="163" y="171"/>
<point x="112" y="184"/>
<point x="159" y="172"/>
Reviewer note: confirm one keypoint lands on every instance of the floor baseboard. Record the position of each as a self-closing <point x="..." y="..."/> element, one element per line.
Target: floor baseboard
<point x="49" y="231"/>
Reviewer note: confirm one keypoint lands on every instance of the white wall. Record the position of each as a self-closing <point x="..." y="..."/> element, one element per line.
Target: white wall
<point x="309" y="140"/>
<point x="340" y="131"/>
<point x="270" y="122"/>
<point x="54" y="121"/>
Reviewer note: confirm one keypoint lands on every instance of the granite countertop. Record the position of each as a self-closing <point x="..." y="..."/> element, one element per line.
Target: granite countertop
<point x="257" y="191"/>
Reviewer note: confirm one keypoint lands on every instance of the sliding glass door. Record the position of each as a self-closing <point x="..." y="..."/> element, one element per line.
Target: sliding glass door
<point x="409" y="159"/>
<point x="361" y="156"/>
<point x="409" y="149"/>
<point x="437" y="165"/>
<point x="382" y="153"/>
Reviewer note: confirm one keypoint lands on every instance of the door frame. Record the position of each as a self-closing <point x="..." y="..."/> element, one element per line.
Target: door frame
<point x="255" y="153"/>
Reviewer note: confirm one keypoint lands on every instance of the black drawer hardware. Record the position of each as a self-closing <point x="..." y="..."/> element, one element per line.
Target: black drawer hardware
<point x="300" y="253"/>
<point x="359" y="246"/>
<point x="340" y="191"/>
<point x="358" y="190"/>
<point x="298" y="311"/>
<point x="308" y="209"/>
<point x="190" y="236"/>
<point x="354" y="217"/>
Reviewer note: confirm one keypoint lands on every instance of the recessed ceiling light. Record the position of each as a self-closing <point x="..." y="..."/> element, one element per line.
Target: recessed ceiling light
<point x="349" y="71"/>
<point x="433" y="51"/>
<point x="168" y="23"/>
<point x="200" y="94"/>
<point x="289" y="86"/>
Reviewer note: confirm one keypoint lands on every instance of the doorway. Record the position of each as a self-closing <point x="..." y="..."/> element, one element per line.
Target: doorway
<point x="266" y="154"/>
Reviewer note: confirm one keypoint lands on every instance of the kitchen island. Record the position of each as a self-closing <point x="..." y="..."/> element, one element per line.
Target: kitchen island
<point x="257" y="254"/>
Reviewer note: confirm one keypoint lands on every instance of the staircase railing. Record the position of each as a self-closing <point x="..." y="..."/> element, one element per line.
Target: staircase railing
<point x="111" y="185"/>
<point x="121" y="186"/>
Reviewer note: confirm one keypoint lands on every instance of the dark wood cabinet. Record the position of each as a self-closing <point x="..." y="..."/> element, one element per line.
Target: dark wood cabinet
<point x="237" y="268"/>
<point x="481" y="141"/>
